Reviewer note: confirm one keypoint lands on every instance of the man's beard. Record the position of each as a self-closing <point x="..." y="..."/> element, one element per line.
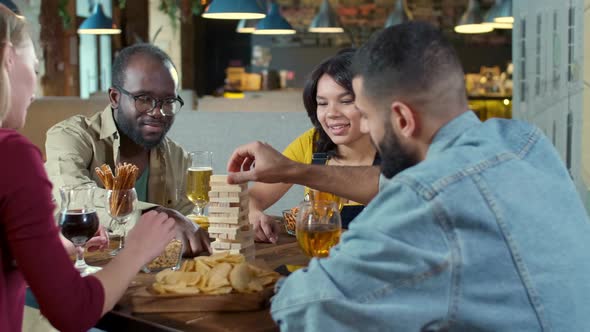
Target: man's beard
<point x="394" y="158"/>
<point x="130" y="130"/>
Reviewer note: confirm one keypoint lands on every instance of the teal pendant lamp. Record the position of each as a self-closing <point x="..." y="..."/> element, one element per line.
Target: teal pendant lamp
<point x="400" y="14"/>
<point x="274" y="23"/>
<point x="98" y="23"/>
<point x="472" y="19"/>
<point x="246" y="26"/>
<point x="500" y="15"/>
<point x="234" y="10"/>
<point x="326" y="21"/>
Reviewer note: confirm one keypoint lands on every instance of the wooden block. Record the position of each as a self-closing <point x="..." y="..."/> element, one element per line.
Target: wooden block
<point x="233" y="211"/>
<point x="226" y="199"/>
<point x="247" y="251"/>
<point x="227" y="220"/>
<point x="219" y="178"/>
<point x="229" y="230"/>
<point x="213" y="194"/>
<point x="218" y="225"/>
<point x="225" y="225"/>
<point x="223" y="194"/>
<point x="237" y="236"/>
<point x="227" y="212"/>
<point x="244" y="237"/>
<point x="228" y="188"/>
<point x="220" y="244"/>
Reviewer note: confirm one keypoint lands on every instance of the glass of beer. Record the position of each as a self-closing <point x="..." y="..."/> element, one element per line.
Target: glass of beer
<point x="316" y="195"/>
<point x="318" y="227"/>
<point x="197" y="183"/>
<point x="78" y="220"/>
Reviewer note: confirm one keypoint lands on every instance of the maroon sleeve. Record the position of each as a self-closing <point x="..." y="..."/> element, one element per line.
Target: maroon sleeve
<point x="70" y="302"/>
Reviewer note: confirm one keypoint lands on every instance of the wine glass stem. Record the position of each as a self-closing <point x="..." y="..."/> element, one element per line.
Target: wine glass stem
<point x="80" y="262"/>
<point x="122" y="241"/>
<point x="199" y="210"/>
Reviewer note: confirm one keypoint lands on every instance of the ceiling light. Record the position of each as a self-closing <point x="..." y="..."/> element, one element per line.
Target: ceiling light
<point x="326" y="20"/>
<point x="274" y="23"/>
<point x="234" y="10"/>
<point x="472" y="19"/>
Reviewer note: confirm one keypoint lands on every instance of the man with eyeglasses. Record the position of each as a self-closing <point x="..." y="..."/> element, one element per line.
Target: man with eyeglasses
<point x="143" y="103"/>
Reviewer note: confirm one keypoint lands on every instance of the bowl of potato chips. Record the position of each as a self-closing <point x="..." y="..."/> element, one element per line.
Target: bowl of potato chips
<point x="220" y="273"/>
<point x="169" y="259"/>
<point x="220" y="282"/>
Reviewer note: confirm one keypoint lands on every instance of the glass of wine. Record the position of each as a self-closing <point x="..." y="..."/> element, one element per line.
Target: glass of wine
<point x="78" y="220"/>
<point x="120" y="205"/>
<point x="318" y="227"/>
<point x="198" y="177"/>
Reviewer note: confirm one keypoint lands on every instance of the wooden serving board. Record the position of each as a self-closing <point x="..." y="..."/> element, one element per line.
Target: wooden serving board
<point x="144" y="300"/>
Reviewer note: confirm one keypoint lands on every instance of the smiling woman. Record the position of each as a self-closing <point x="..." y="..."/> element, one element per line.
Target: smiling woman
<point x="335" y="139"/>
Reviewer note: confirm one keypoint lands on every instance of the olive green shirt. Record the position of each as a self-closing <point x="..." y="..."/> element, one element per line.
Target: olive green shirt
<point x="76" y="146"/>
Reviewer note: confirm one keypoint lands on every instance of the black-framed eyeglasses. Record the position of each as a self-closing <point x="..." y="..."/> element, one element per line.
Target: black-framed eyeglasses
<point x="145" y="103"/>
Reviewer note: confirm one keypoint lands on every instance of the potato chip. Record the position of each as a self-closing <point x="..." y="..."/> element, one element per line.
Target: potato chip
<point x="219" y="275"/>
<point x="173" y="288"/>
<point x="258" y="272"/>
<point x="240" y="276"/>
<point x="235" y="259"/>
<point x="267" y="280"/>
<point x="187" y="291"/>
<point x="202" y="267"/>
<point x="158" y="288"/>
<point x="255" y="286"/>
<point x="160" y="276"/>
<point x="186" y="278"/>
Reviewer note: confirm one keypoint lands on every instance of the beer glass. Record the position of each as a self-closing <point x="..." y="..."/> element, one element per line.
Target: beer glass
<point x="316" y="195"/>
<point x="318" y="227"/>
<point x="198" y="177"/>
<point x="78" y="220"/>
<point x="120" y="205"/>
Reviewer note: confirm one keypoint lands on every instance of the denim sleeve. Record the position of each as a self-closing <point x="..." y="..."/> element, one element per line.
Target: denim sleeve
<point x="390" y="270"/>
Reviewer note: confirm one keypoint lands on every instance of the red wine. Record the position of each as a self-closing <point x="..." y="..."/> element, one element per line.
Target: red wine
<point x="78" y="227"/>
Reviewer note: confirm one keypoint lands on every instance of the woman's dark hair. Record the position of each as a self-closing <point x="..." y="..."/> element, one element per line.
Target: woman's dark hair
<point x="339" y="69"/>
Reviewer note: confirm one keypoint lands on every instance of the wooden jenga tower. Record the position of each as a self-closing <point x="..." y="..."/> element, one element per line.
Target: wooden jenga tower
<point x="228" y="218"/>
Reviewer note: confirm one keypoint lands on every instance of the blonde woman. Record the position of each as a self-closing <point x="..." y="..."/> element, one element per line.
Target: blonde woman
<point x="31" y="252"/>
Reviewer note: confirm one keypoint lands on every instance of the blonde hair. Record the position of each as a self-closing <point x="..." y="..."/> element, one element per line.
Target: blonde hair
<point x="12" y="32"/>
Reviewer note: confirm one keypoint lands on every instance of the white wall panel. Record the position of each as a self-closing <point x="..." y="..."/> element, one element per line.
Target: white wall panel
<point x="548" y="59"/>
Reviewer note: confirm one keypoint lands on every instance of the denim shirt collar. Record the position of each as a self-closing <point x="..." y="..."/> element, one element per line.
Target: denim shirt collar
<point x="448" y="133"/>
<point x="445" y="136"/>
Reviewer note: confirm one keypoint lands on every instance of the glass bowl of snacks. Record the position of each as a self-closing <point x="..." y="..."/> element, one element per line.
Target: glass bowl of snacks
<point x="170" y="258"/>
<point x="289" y="216"/>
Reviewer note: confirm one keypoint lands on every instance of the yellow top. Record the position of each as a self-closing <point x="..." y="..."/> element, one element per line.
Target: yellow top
<point x="301" y="150"/>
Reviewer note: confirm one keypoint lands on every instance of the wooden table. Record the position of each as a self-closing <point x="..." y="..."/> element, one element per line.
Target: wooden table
<point x="122" y="319"/>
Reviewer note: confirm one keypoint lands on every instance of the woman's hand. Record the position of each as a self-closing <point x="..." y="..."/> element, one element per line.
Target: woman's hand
<point x="100" y="241"/>
<point x="265" y="227"/>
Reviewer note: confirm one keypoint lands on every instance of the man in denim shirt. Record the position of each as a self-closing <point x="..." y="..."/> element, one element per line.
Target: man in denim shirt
<point x="479" y="227"/>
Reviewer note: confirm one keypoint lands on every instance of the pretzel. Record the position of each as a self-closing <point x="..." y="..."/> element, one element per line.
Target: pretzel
<point x="123" y="179"/>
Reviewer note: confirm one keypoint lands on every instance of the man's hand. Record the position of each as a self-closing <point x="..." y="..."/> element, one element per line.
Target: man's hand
<point x="195" y="239"/>
<point x="258" y="162"/>
<point x="266" y="228"/>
